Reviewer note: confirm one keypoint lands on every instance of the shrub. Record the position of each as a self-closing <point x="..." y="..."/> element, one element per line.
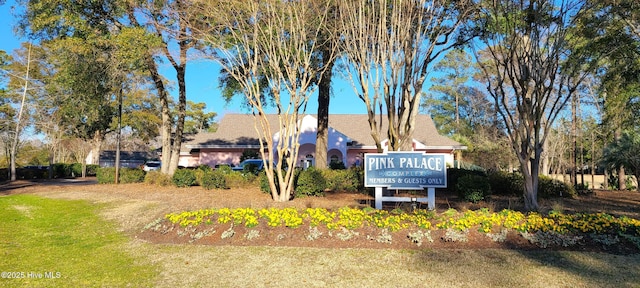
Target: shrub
<point x="200" y="171"/>
<point x="127" y="175"/>
<point x="184" y="178"/>
<point x="473" y="188"/>
<point x="62" y="170"/>
<point x="26" y="173"/>
<point x="106" y="175"/>
<point x="91" y="169"/>
<point x="453" y="174"/>
<point x="239" y="179"/>
<point x="264" y="182"/>
<point x="550" y="188"/>
<point x="157" y="178"/>
<point x="343" y="180"/>
<point x="226" y="169"/>
<point x="310" y="182"/>
<point x="213" y="180"/>
<point x="507" y="184"/>
<point x="76" y="169"/>
<point x="131" y="175"/>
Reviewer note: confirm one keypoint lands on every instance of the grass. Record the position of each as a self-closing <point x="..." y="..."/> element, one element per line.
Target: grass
<point x="53" y="243"/>
<point x="234" y="266"/>
<point x="69" y="237"/>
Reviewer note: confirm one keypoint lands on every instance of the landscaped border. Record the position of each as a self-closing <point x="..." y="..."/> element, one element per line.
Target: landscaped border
<point x="554" y="229"/>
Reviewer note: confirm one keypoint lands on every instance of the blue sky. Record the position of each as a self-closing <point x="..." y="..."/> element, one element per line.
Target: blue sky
<point x="202" y="79"/>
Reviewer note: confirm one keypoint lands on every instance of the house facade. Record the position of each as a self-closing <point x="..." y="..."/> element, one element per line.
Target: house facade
<point x="349" y="140"/>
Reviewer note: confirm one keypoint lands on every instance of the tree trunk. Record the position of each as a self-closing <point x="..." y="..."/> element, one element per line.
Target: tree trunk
<point x="622" y="177"/>
<point x="545" y="160"/>
<point x="14" y="145"/>
<point x="182" y="106"/>
<point x="165" y="129"/>
<point x="531" y="180"/>
<point x="574" y="141"/>
<point x="96" y="146"/>
<point x="622" y="183"/>
<point x="324" y="97"/>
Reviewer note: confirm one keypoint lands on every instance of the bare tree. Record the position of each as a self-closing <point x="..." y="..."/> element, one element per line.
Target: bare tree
<point x="277" y="40"/>
<point x="389" y="45"/>
<point x="531" y="71"/>
<point x="15" y="112"/>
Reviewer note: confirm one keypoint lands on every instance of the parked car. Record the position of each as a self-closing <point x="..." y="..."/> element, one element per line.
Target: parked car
<point x="255" y="165"/>
<point x="152" y="166"/>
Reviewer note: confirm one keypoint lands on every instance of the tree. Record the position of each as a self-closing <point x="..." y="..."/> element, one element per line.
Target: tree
<point x="532" y="69"/>
<point x="21" y="68"/>
<point x="324" y="60"/>
<point x="269" y="46"/>
<point x="7" y="111"/>
<point x="19" y="122"/>
<point x="388" y="46"/>
<point x="198" y="121"/>
<point x="455" y="103"/>
<point x="460" y="109"/>
<point x="168" y="20"/>
<point x="449" y="91"/>
<point x="612" y="28"/>
<point x="136" y="31"/>
<point x="624" y="152"/>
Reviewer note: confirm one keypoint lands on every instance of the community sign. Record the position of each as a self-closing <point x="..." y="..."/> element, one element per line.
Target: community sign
<point x="405" y="170"/>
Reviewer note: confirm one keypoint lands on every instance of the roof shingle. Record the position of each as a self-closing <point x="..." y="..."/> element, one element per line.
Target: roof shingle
<point x="238" y="130"/>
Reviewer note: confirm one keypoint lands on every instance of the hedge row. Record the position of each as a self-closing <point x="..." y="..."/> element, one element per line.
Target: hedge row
<point x="471" y="185"/>
<point x="59" y="170"/>
<point x="314" y="182"/>
<point x="474" y="186"/>
<point x="127" y="175"/>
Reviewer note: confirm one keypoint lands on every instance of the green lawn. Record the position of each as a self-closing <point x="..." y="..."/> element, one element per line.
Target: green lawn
<point x="52" y="243"/>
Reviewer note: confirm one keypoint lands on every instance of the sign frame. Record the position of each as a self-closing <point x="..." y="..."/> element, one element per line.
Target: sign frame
<point x="405" y="170"/>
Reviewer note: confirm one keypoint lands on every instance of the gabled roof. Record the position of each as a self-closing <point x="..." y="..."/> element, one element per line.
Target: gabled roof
<point x="356" y="126"/>
<point x="237" y="130"/>
<point x="233" y="130"/>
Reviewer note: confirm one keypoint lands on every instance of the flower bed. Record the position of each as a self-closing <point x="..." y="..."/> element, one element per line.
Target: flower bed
<point x="552" y="230"/>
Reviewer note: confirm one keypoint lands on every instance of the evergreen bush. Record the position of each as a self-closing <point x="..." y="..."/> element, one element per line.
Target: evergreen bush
<point x="235" y="179"/>
<point x="264" y="182"/>
<point x="473" y="188"/>
<point x="106" y="175"/>
<point x="157" y="178"/>
<point x="348" y="180"/>
<point x="551" y="188"/>
<point x="211" y="179"/>
<point x="131" y="175"/>
<point x="507" y="184"/>
<point x="453" y="174"/>
<point x="76" y="169"/>
<point x="62" y="170"/>
<point x="310" y="182"/>
<point x="184" y="178"/>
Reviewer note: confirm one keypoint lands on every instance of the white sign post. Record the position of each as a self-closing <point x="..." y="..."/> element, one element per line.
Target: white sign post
<point x="405" y="171"/>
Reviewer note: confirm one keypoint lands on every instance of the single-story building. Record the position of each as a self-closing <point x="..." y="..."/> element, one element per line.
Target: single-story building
<point x="128" y="159"/>
<point x="349" y="139"/>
